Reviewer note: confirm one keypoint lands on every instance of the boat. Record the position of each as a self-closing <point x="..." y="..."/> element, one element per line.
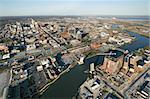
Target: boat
<point x="81" y="61"/>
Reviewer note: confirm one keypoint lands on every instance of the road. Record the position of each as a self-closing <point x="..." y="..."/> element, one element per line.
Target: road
<point x="4" y="81"/>
<point x="134" y="81"/>
<point x="111" y="86"/>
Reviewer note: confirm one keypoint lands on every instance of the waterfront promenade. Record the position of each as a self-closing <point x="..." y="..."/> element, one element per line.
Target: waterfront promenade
<point x="50" y="83"/>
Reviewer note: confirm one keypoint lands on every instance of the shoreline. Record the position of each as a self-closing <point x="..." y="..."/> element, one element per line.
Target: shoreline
<point x="46" y="86"/>
<point x="50" y="83"/>
<point x="135" y="31"/>
<point x="63" y="72"/>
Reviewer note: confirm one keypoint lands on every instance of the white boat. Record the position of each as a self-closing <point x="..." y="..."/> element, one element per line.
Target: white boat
<point x="81" y="61"/>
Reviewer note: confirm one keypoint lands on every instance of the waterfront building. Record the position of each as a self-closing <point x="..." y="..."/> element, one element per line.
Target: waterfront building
<point x="92" y="68"/>
<point x="131" y="64"/>
<point x="134" y="59"/>
<point x="66" y="59"/>
<point x="112" y="65"/>
<point x="125" y="67"/>
<point x="91" y="89"/>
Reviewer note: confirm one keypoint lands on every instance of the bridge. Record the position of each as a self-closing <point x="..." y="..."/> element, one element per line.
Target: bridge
<point x="111" y="53"/>
<point x="121" y="50"/>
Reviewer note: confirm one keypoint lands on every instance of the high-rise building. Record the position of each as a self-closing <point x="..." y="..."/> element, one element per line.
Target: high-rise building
<point x="112" y="65"/>
<point x="125" y="67"/>
<point x="134" y="59"/>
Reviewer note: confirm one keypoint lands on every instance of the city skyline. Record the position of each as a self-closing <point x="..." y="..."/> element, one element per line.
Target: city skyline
<point x="74" y="7"/>
<point x="84" y="49"/>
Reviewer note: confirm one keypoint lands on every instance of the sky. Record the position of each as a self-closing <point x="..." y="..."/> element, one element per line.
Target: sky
<point x="74" y="7"/>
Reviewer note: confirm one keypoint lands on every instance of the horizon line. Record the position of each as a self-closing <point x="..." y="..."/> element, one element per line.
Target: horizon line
<point x="68" y="15"/>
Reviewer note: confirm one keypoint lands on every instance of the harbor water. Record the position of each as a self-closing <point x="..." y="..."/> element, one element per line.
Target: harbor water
<point x="67" y="85"/>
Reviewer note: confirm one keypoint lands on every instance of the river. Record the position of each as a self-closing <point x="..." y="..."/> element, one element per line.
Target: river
<point x="67" y="85"/>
